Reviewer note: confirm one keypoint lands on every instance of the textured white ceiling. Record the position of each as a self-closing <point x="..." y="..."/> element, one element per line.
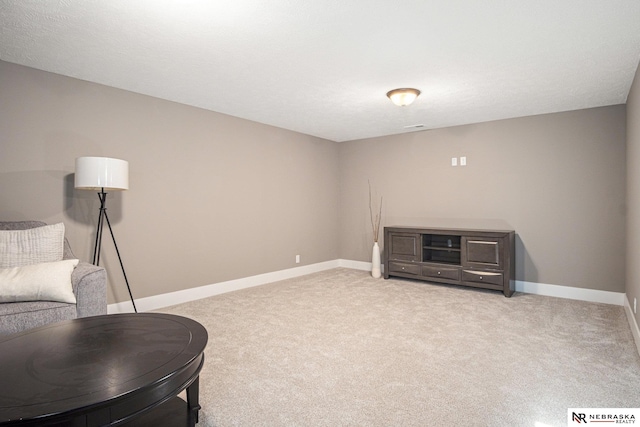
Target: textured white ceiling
<point x="323" y="67"/>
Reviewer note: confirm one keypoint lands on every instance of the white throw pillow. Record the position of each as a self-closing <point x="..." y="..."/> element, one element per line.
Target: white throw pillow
<point x="31" y="246"/>
<point x="49" y="281"/>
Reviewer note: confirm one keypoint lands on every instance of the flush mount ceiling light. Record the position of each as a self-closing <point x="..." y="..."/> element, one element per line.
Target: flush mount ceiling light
<point x="404" y="96"/>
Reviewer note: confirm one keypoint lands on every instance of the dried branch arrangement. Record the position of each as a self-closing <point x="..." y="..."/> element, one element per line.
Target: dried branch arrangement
<point x="375" y="223"/>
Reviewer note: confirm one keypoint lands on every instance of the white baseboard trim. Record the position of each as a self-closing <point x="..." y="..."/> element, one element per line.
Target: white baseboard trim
<point x="354" y="265"/>
<point x="635" y="331"/>
<point x="178" y="297"/>
<point x="591" y="295"/>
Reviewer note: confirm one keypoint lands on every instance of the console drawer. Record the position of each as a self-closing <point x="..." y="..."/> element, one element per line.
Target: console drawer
<point x="450" y="273"/>
<point x="401" y="267"/>
<point x="488" y="277"/>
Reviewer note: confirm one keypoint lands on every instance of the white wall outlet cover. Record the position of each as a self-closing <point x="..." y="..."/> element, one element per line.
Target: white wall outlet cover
<point x="454" y="161"/>
<point x="463" y="161"/>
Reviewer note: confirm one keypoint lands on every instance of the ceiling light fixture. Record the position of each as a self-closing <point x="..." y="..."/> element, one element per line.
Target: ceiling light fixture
<point x="404" y="96"/>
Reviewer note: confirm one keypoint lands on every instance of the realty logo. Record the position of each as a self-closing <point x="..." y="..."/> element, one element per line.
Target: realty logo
<point x="579" y="416"/>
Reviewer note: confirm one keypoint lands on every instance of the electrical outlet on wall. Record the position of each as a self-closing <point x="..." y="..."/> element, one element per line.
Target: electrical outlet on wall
<point x="454" y="161"/>
<point x="297" y="259"/>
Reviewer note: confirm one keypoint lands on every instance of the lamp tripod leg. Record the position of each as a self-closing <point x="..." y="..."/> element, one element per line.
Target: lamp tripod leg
<point x="96" y="251"/>
<point x="120" y="259"/>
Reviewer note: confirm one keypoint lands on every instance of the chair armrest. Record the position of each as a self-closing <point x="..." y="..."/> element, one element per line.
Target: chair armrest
<point x="90" y="287"/>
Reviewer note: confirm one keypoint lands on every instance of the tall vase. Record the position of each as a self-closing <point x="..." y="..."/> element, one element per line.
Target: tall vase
<point x="375" y="261"/>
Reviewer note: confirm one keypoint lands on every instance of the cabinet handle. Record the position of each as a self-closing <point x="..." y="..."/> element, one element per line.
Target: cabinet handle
<point x="438" y="273"/>
<point x="403" y="268"/>
<point x="480" y="277"/>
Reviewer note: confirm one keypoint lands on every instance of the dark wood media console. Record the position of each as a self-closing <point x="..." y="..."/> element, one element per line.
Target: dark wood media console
<point x="478" y="258"/>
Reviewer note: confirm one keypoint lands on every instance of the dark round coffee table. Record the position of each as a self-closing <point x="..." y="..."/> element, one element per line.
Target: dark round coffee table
<point x="101" y="370"/>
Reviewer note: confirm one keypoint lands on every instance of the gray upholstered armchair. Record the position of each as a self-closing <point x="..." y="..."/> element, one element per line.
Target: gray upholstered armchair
<point x="89" y="284"/>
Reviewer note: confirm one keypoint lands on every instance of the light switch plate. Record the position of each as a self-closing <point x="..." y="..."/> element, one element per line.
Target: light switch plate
<point x="454" y="161"/>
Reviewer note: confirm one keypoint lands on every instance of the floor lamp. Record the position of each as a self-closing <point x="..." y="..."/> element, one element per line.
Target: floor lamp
<point x="103" y="173"/>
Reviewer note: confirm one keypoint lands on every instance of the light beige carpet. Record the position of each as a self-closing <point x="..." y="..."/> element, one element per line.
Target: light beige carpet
<point x="339" y="348"/>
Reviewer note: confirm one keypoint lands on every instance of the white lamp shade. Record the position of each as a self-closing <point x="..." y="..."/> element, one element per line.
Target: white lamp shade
<point x="96" y="173"/>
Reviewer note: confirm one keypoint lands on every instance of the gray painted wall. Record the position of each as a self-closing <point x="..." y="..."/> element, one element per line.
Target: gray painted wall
<point x="633" y="194"/>
<point x="212" y="197"/>
<point x="558" y="180"/>
<point x="216" y="198"/>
